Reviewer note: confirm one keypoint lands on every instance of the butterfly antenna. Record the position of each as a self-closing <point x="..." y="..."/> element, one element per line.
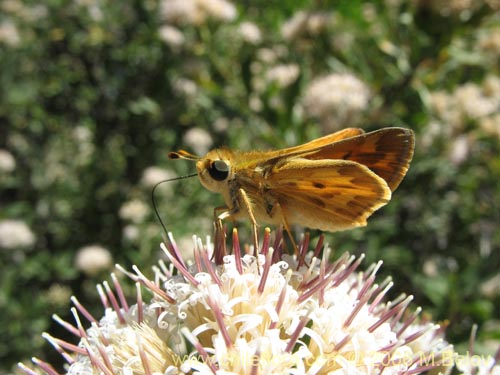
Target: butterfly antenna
<point x="155" y="206"/>
<point x="182" y="154"/>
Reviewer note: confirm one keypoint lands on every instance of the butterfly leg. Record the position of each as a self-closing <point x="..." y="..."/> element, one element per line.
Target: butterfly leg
<point x="278" y="209"/>
<point x="220" y="213"/>
<point x="248" y="206"/>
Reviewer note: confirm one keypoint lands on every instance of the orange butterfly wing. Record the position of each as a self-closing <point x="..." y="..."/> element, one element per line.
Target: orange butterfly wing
<point x="327" y="194"/>
<point x="314" y="144"/>
<point x="387" y="152"/>
<point x="326" y="140"/>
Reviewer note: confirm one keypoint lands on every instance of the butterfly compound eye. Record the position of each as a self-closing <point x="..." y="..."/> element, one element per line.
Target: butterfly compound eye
<point x="219" y="170"/>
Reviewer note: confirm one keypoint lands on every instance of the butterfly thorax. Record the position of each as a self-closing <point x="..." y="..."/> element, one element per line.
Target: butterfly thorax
<point x="228" y="173"/>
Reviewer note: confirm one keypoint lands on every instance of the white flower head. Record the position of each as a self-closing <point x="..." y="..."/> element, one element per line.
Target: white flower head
<point x="172" y="36"/>
<point x="250" y="32"/>
<point x="83" y="137"/>
<point x="460" y="149"/>
<point x="7" y="161"/>
<point x="196" y="12"/>
<point x="58" y="294"/>
<point x="152" y="175"/>
<point x="218" y="9"/>
<point x="242" y="314"/>
<point x="489" y="41"/>
<point x="267" y="55"/>
<point x="474" y="102"/>
<point x="336" y="99"/>
<point x="283" y="74"/>
<point x="93" y="259"/>
<point x="131" y="232"/>
<point x="23" y="11"/>
<point x="491" y="125"/>
<point x="304" y="24"/>
<point x="82" y="134"/>
<point x="9" y="34"/>
<point x="15" y="234"/>
<point x="134" y="211"/>
<point x="181" y="11"/>
<point x="185" y="87"/>
<point x="470" y="101"/>
<point x="199" y="140"/>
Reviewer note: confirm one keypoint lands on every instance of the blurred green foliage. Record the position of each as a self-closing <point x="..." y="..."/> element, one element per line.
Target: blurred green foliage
<point x="95" y="93"/>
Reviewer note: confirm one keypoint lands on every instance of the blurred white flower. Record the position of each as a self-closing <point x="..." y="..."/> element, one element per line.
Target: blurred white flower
<point x="84" y="143"/>
<point x="172" y="36"/>
<point x="336" y="100"/>
<point x="460" y="149"/>
<point x="267" y="55"/>
<point x="82" y="134"/>
<point x="431" y="267"/>
<point x="255" y="103"/>
<point x="491" y="287"/>
<point x="276" y="102"/>
<point x="58" y="294"/>
<point x="440" y="102"/>
<point x="232" y="314"/>
<point x="369" y="12"/>
<point x="9" y="34"/>
<point x="491" y="88"/>
<point x="96" y="12"/>
<point x="93" y="8"/>
<point x="469" y="101"/>
<point x="218" y="9"/>
<point x="15" y="234"/>
<point x="11" y="6"/>
<point x="131" y="232"/>
<point x="93" y="259"/>
<point x="134" y="210"/>
<point x="221" y="124"/>
<point x="152" y="175"/>
<point x="196" y="12"/>
<point x="295" y="26"/>
<point x="491" y="125"/>
<point x="443" y="106"/>
<point x="38" y="12"/>
<point x="305" y="24"/>
<point x="181" y="11"/>
<point x="19" y="9"/>
<point x="489" y="41"/>
<point x="199" y="140"/>
<point x="473" y="101"/>
<point x="185" y="87"/>
<point x="7" y="161"/>
<point x="250" y="32"/>
<point x="283" y="75"/>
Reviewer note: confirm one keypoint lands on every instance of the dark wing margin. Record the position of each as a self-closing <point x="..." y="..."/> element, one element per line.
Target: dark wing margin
<point x="387" y="152"/>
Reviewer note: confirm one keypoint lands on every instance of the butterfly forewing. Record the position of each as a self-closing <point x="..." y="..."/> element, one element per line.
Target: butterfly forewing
<point x="272" y="157"/>
<point x="387" y="152"/>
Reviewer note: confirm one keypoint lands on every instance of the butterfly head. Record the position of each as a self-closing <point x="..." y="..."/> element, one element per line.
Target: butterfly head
<point x="214" y="169"/>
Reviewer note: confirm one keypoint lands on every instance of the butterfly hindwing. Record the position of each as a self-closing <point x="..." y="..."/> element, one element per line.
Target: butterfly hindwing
<point x="327" y="194"/>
